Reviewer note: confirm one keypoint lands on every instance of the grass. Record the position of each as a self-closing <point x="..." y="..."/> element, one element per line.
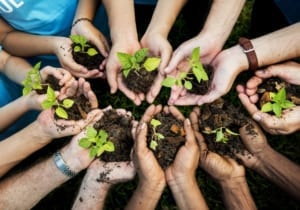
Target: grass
<point x="266" y="195"/>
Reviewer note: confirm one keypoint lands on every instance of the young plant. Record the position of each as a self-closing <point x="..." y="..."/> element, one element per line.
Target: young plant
<point x="278" y="103"/>
<point x="81" y="45"/>
<point x="51" y="101"/>
<point x="97" y="142"/>
<point x="32" y="80"/>
<point x="155" y="136"/>
<point x="183" y="79"/>
<point x="222" y="134"/>
<point x="137" y="61"/>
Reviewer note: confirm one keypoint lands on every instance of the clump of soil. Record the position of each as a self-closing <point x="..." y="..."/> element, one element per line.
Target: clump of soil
<point x="202" y="87"/>
<point x="90" y="62"/>
<point x="79" y="110"/>
<point x="140" y="81"/>
<point x="174" y="137"/>
<point x="274" y="84"/>
<point x="222" y="114"/>
<point x="52" y="81"/>
<point x="118" y="128"/>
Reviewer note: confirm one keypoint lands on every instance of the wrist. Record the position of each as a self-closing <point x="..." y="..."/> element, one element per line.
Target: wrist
<point x="182" y="184"/>
<point x="234" y="182"/>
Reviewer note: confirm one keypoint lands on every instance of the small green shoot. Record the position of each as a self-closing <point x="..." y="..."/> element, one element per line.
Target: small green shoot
<point x="222" y="134"/>
<point x="51" y="101"/>
<point x="156" y="136"/>
<point x="183" y="79"/>
<point x="97" y="142"/>
<point x="137" y="61"/>
<point x="82" y="45"/>
<point x="33" y="80"/>
<point x="278" y="103"/>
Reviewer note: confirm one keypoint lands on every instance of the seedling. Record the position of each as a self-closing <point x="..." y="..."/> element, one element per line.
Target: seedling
<point x="222" y="134"/>
<point x="137" y="61"/>
<point x="184" y="78"/>
<point x="51" y="101"/>
<point x="81" y="45"/>
<point x="278" y="103"/>
<point x="97" y="142"/>
<point x="32" y="80"/>
<point x="155" y="136"/>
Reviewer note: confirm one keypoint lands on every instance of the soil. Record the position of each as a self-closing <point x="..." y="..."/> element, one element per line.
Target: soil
<point x="168" y="147"/>
<point x="202" y="88"/>
<point x="140" y="81"/>
<point x="52" y="81"/>
<point x="90" y="62"/>
<point x="274" y="84"/>
<point x="222" y="114"/>
<point x="118" y="128"/>
<point x="79" y="110"/>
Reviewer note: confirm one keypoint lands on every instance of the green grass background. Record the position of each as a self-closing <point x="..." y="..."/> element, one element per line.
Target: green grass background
<point x="266" y="195"/>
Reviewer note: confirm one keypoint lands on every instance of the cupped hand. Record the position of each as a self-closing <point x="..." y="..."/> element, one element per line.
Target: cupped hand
<point x="221" y="168"/>
<point x="187" y="158"/>
<point x="289" y="121"/>
<point x="114" y="73"/>
<point x="255" y="142"/>
<point x="158" y="46"/>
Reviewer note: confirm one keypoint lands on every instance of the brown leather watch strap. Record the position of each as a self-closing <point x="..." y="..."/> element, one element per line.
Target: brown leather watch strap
<point x="250" y="52"/>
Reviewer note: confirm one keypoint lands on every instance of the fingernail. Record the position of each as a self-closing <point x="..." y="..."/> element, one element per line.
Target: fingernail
<point x="256" y="117"/>
<point x="188" y="122"/>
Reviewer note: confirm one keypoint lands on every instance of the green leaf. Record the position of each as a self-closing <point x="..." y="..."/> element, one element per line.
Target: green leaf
<point x="126" y="72"/>
<point x="182" y="75"/>
<point x="140" y="55"/>
<point x="277" y="109"/>
<point x="103" y="135"/>
<point x="151" y="63"/>
<point x="68" y="103"/>
<point x="93" y="152"/>
<point x="199" y="73"/>
<point x="153" y="145"/>
<point x="155" y="122"/>
<point x="77" y="48"/>
<point x="267" y="107"/>
<point x="100" y="150"/>
<point x="78" y="39"/>
<point x="26" y="90"/>
<point x="61" y="113"/>
<point x="47" y="104"/>
<point x="160" y="136"/>
<point x="220" y="136"/>
<point x="109" y="146"/>
<point x="85" y="143"/>
<point x="92" y="52"/>
<point x="91" y="132"/>
<point x="287" y="104"/>
<point x="50" y="94"/>
<point x="168" y="82"/>
<point x="280" y="96"/>
<point x="231" y="132"/>
<point x="124" y="59"/>
<point x="196" y="54"/>
<point x="188" y="85"/>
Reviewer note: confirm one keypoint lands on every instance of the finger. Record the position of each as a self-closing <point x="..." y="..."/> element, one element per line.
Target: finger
<point x="134" y="125"/>
<point x="176" y="113"/>
<point x="250" y="107"/>
<point x="141" y="140"/>
<point x="253" y="82"/>
<point x="112" y="74"/>
<point x="128" y="93"/>
<point x="150" y="112"/>
<point x="194" y="120"/>
<point x="175" y="93"/>
<point x="190" y="137"/>
<point x="155" y="88"/>
<point x="187" y="100"/>
<point x="175" y="60"/>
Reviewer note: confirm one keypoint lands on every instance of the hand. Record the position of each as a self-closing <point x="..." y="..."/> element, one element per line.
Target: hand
<point x="60" y="128"/>
<point x="148" y="168"/>
<point x="160" y="47"/>
<point x="208" y="51"/>
<point x="113" y="172"/>
<point x="186" y="161"/>
<point x="255" y="142"/>
<point x="226" y="67"/>
<point x="222" y="169"/>
<point x="114" y="74"/>
<point x="81" y="87"/>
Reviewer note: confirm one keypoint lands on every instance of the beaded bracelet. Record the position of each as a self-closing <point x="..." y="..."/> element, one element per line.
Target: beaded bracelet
<point x="81" y="19"/>
<point x="62" y="166"/>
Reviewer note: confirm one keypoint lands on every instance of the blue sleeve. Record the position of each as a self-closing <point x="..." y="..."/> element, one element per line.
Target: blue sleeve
<point x="0" y="48"/>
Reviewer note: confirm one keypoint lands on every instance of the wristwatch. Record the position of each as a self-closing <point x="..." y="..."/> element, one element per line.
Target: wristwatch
<point x="248" y="49"/>
<point x="62" y="166"/>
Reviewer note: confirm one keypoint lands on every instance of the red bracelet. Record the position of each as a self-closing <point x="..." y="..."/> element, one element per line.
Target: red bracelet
<point x="248" y="49"/>
<point x="81" y="19"/>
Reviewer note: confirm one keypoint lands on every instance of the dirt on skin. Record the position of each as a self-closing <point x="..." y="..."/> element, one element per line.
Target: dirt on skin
<point x="118" y="128"/>
<point x="140" y="81"/>
<point x="168" y="147"/>
<point x="222" y="114"/>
